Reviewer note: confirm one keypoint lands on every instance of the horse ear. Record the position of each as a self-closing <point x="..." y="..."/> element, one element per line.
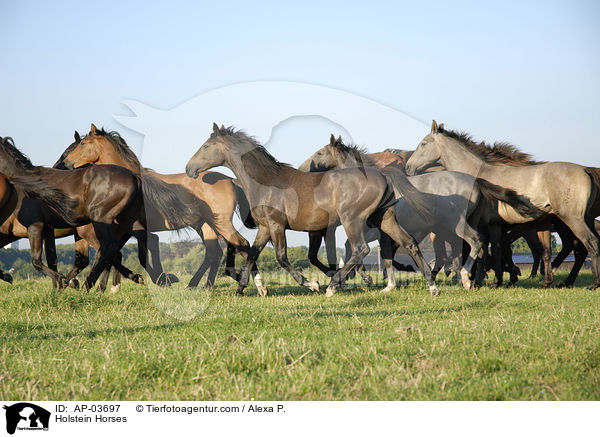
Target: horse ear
<point x="339" y="139"/>
<point x="93" y="129"/>
<point x="215" y="128"/>
<point x="434" y="127"/>
<point x="441" y="127"/>
<point x="222" y="127"/>
<point x="77" y="136"/>
<point x="332" y="139"/>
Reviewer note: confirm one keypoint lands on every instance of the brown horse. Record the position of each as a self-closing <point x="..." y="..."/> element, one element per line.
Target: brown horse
<point x="212" y="198"/>
<point x="51" y="199"/>
<point x="8" y="202"/>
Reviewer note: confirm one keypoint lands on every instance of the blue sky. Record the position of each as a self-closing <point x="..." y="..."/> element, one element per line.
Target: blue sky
<point x="524" y="72"/>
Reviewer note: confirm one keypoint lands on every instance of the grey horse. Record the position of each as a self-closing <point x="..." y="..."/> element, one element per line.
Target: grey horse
<point x="460" y="202"/>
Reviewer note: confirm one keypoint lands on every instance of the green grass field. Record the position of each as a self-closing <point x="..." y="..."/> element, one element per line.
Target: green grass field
<point x="146" y="343"/>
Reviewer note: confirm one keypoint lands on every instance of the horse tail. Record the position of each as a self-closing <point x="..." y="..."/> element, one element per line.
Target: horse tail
<point x="54" y="198"/>
<point x="243" y="207"/>
<point x="520" y="204"/>
<point x="403" y="188"/>
<point x="165" y="199"/>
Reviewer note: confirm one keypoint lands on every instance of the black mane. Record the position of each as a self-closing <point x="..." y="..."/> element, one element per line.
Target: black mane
<point x="7" y="147"/>
<point x="357" y="152"/>
<point x="498" y="153"/>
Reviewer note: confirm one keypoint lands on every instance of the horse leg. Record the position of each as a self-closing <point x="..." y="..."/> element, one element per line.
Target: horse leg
<point x="496" y="242"/>
<point x="260" y="241"/>
<point x="51" y="259"/>
<point x="545" y="239"/>
<point x="330" y="249"/>
<point x="390" y="226"/>
<point x="314" y="244"/>
<point x="474" y="239"/>
<point x="279" y="243"/>
<point x="537" y="250"/>
<point x="212" y="257"/>
<point x="82" y="260"/>
<point x="356" y="236"/>
<point x="585" y="231"/>
<point x="508" y="264"/>
<point x="568" y="244"/>
<point x="35" y="233"/>
<point x="109" y="254"/>
<point x="439" y="249"/>
<point x="387" y="253"/>
<point x="580" y="256"/>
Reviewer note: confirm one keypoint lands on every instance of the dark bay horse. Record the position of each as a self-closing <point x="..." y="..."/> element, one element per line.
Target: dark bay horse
<point x="282" y="197"/>
<point x="211" y="199"/>
<point x="460" y="203"/>
<point x="8" y="202"/>
<point x="565" y="190"/>
<point x="106" y="197"/>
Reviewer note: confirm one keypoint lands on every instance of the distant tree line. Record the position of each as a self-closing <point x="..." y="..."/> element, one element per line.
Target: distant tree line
<point x="183" y="257"/>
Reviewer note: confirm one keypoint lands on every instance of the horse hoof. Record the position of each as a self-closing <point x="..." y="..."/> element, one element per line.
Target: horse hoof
<point x="74" y="283"/>
<point x="330" y="291"/>
<point x="262" y="291"/>
<point x="115" y="289"/>
<point x="466" y="280"/>
<point x="388" y="288"/>
<point x="8" y="278"/>
<point x="314" y="286"/>
<point x="593" y="286"/>
<point x="433" y="290"/>
<point x="138" y="279"/>
<point x="368" y="281"/>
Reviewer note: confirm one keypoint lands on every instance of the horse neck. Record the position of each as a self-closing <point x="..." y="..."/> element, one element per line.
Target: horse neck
<point x="248" y="175"/>
<point x="349" y="161"/>
<point x="11" y="169"/>
<point x="111" y="156"/>
<point x="455" y="157"/>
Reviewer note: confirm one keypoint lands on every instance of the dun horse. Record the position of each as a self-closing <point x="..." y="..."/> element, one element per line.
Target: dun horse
<point x="282" y="197"/>
<point x="568" y="191"/>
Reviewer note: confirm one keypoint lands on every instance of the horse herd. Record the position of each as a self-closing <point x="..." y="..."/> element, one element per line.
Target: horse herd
<point x="465" y="195"/>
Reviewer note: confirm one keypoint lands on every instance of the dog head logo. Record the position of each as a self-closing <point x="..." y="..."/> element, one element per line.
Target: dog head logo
<point x="26" y="416"/>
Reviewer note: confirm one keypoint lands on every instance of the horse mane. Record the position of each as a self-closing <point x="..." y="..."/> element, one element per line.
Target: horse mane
<point x="498" y="153"/>
<point x="397" y="151"/>
<point x="7" y="147"/>
<point x="360" y="153"/>
<point x="257" y="152"/>
<point x="121" y="145"/>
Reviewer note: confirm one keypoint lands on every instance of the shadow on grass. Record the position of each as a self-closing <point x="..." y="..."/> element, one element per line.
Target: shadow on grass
<point x="477" y="304"/>
<point x="584" y="278"/>
<point x="23" y="328"/>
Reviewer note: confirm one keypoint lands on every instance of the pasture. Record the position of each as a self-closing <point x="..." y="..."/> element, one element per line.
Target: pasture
<point x="522" y="343"/>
